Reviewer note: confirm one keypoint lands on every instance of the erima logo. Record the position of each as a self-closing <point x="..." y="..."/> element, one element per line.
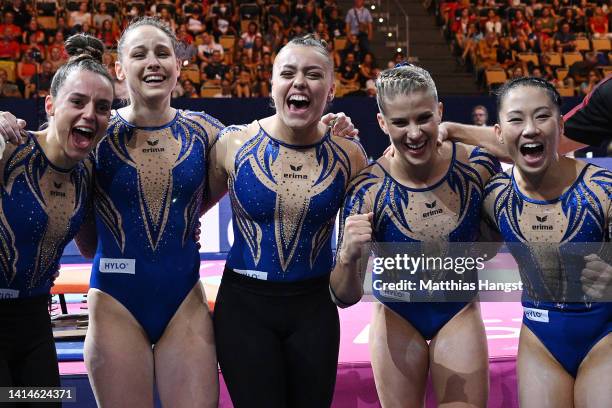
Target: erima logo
<point x="537" y="315"/>
<point x="111" y="265"/>
<point x="153" y="149"/>
<point x="296" y="176"/>
<point x="539" y="227"/>
<point x="57" y="185"/>
<point x="431" y="206"/>
<point x="152" y="142"/>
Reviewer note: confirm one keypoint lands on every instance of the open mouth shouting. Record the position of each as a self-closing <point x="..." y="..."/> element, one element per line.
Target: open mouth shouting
<point x="532" y="152"/>
<point x="82" y="136"/>
<point x="298" y="103"/>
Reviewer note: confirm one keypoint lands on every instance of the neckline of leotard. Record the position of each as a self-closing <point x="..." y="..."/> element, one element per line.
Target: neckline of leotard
<point x="428" y="188"/>
<point x="523" y="196"/>
<point x="294" y="146"/>
<point x="42" y="152"/>
<point x="122" y="119"/>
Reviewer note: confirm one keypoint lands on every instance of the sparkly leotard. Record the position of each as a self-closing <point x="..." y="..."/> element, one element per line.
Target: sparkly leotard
<point x="149" y="184"/>
<point x="549" y="240"/>
<point x="42" y="207"/>
<point x="448" y="211"/>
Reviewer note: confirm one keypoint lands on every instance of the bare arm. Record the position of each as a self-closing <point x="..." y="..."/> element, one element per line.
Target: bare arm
<point x="87" y="237"/>
<point x="216" y="185"/>
<point x="483" y="136"/>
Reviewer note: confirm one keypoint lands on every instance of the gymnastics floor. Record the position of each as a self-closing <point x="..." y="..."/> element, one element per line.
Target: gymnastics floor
<point x="355" y="382"/>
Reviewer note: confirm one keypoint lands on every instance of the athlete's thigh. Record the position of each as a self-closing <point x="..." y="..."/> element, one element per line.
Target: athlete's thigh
<point x="399" y="359"/>
<point x="542" y="381"/>
<point x="185" y="359"/>
<point x="592" y="388"/>
<point x="459" y="361"/>
<point x="118" y="355"/>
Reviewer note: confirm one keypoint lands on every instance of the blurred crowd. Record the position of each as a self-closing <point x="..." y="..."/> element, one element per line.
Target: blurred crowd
<point x="227" y="47"/>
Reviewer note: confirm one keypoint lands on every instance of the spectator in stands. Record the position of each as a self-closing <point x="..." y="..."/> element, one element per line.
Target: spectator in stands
<point x="519" y="22"/>
<point x="367" y="69"/>
<point x="56" y="59"/>
<point x="27" y="67"/>
<point x="548" y="21"/>
<point x="480" y="115"/>
<point x="308" y="18"/>
<point x="183" y="35"/>
<point x="493" y="23"/>
<point x="207" y="47"/>
<point x="108" y="34"/>
<point x="353" y="46"/>
<point x="592" y="79"/>
<point x="349" y="71"/>
<point x="80" y="16"/>
<point x="334" y="54"/>
<point x="101" y="16"/>
<point x="216" y="69"/>
<point x="335" y="25"/>
<point x="598" y="24"/>
<point x="359" y="22"/>
<point x="274" y="36"/>
<point x="487" y="51"/>
<point x="9" y="48"/>
<point x="189" y="90"/>
<point x="195" y="20"/>
<point x="62" y="28"/>
<point x="242" y="86"/>
<point x="250" y="35"/>
<point x="281" y="15"/>
<point x="580" y="70"/>
<point x="569" y="18"/>
<point x="167" y="18"/>
<point x="226" y="90"/>
<point x="565" y="40"/>
<point x="8" y="89"/>
<point x="21" y="16"/>
<point x="33" y="29"/>
<point x="9" y="27"/>
<point x="43" y="79"/>
<point x="261" y="88"/>
<point x="538" y="37"/>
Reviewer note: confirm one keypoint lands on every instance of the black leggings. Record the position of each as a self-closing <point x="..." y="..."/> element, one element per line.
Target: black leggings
<point x="27" y="349"/>
<point x="277" y="342"/>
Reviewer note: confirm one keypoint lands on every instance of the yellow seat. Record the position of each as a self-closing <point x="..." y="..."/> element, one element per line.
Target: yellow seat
<point x="528" y="57"/>
<point x="583" y="44"/>
<point x="209" y="91"/>
<point x="339" y="43"/>
<point x="601" y="44"/>
<point x="10" y="67"/>
<point x="562" y="73"/>
<point x="566" y="91"/>
<point x="555" y="59"/>
<point x="227" y="42"/>
<point x="495" y="76"/>
<point x="569" y="58"/>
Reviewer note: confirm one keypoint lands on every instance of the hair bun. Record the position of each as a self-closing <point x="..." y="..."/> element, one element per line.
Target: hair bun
<point x="84" y="46"/>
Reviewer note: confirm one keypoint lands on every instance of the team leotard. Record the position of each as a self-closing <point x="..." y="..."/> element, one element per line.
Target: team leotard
<point x="448" y="211"/>
<point x="149" y="184"/>
<point x="42" y="209"/>
<point x="285" y="199"/>
<point x="551" y="266"/>
<point x="273" y="308"/>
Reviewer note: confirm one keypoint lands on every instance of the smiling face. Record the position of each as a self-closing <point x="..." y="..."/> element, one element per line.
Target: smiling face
<point x="411" y="120"/>
<point x="530" y="125"/>
<point x="148" y="64"/>
<point x="79" y="113"/>
<point x="302" y="85"/>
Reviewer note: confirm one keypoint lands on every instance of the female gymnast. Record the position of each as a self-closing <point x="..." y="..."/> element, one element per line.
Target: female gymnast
<point x="430" y="193"/>
<point x="45" y="182"/>
<point x="558" y="205"/>
<point x="276" y="327"/>
<point x="149" y="321"/>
